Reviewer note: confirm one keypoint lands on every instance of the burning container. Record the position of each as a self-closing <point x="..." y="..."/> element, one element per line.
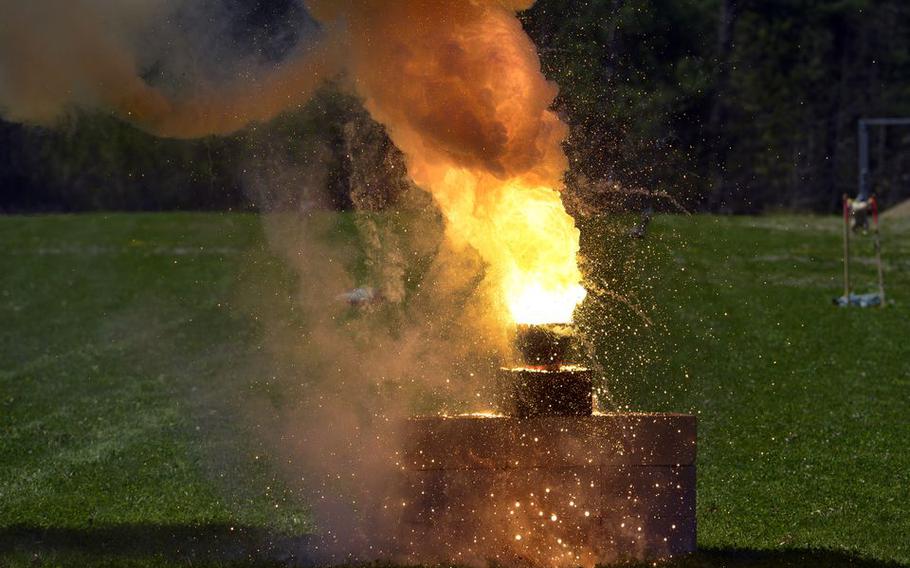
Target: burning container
<point x="544" y="384"/>
<point x="548" y="481"/>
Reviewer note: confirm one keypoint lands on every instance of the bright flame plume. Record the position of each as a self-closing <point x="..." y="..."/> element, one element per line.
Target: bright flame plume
<point x="458" y="85"/>
<point x="526" y="237"/>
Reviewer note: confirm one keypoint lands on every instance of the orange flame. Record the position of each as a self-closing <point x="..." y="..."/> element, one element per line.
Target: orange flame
<point x="457" y="83"/>
<point x="526" y="237"/>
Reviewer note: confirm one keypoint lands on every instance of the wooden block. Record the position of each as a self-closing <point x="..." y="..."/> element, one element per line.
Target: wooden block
<point x="549" y="490"/>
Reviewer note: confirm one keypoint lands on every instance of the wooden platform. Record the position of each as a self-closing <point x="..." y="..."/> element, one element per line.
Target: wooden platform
<point x="552" y="491"/>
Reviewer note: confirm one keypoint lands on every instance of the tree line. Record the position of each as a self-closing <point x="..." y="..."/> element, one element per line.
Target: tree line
<point x="724" y="105"/>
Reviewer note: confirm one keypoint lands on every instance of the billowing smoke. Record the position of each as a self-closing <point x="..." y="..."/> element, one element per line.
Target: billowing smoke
<point x="416" y="344"/>
<point x="457" y="84"/>
<point x="58" y="56"/>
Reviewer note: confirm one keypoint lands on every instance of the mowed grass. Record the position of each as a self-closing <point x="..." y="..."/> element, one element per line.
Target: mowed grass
<point x="125" y="341"/>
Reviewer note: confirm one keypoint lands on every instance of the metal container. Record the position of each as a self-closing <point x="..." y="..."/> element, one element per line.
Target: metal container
<point x="525" y="392"/>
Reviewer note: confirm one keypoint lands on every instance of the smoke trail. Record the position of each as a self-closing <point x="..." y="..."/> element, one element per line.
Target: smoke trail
<point x="57" y="56"/>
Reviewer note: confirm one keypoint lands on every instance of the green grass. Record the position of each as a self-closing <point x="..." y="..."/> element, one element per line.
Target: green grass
<point x="802" y="406"/>
<point x="126" y="341"/>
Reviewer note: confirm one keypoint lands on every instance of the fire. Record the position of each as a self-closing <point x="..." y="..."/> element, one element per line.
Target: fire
<point x="459" y="88"/>
<point x="542" y="283"/>
<point x="456" y="83"/>
<point x="534" y="304"/>
<point x="525" y="235"/>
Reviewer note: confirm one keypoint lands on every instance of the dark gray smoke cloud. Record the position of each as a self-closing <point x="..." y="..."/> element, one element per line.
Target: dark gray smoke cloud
<point x="176" y="68"/>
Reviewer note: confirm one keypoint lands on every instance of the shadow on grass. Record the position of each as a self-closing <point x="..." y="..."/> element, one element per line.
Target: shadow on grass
<point x="788" y="557"/>
<point x="162" y="545"/>
<point x="156" y="545"/>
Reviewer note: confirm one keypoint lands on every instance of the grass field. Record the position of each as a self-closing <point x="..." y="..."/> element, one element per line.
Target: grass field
<point x="124" y="342"/>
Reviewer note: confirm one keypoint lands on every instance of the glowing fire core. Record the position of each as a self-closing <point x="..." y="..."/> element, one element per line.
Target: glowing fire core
<point x="542" y="283"/>
<point x="525" y="235"/>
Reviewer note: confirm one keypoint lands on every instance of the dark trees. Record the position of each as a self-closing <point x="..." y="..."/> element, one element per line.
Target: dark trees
<point x="728" y="105"/>
<point x="738" y="105"/>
